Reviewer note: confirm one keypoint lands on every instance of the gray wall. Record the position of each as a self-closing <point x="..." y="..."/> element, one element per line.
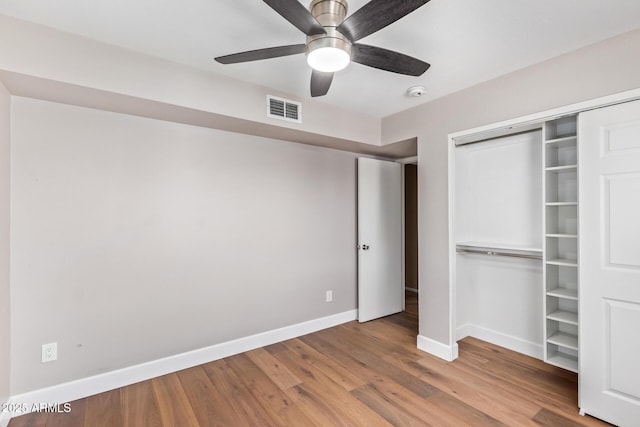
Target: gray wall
<point x="5" y="342"/>
<point x="135" y="239"/>
<point x="605" y="68"/>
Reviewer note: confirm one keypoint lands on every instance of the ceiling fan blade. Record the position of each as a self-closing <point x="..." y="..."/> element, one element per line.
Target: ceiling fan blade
<point x="376" y="15"/>
<point x="320" y="83"/>
<point x="387" y="60"/>
<point x="294" y="12"/>
<point x="258" y="54"/>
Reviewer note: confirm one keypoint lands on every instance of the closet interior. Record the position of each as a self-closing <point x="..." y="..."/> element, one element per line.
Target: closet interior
<point x="515" y="228"/>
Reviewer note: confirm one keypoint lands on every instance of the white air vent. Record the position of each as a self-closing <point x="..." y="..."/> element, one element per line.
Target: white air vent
<point x="283" y="109"/>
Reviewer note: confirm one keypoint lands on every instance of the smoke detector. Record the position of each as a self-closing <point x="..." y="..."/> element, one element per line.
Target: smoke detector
<point x="416" y="91"/>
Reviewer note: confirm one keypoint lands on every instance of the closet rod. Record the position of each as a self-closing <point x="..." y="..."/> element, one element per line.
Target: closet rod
<point x="497" y="253"/>
<point x="500" y="133"/>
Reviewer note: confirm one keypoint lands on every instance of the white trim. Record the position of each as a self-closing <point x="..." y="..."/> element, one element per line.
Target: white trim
<point x="503" y="340"/>
<point x="464" y="331"/>
<point x="546" y="115"/>
<point x="436" y="348"/>
<point x="451" y="183"/>
<point x="413" y="160"/>
<point x="73" y="390"/>
<point x="5" y="417"/>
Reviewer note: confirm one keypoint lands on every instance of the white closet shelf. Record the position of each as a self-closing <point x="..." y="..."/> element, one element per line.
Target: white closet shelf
<point x="561" y="203"/>
<point x="564" y="168"/>
<point x="566" y="141"/>
<point x="564" y="317"/>
<point x="564" y="361"/>
<point x="564" y="340"/>
<point x="571" y="294"/>
<point x="565" y="262"/>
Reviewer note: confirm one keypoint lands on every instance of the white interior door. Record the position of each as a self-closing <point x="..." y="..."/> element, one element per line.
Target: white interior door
<point x="380" y="291"/>
<point x="609" y="200"/>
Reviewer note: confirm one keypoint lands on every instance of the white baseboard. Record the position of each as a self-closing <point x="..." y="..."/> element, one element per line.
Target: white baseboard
<point x="89" y="386"/>
<point x="5" y="417"/>
<point x="498" y="338"/>
<point x="464" y="331"/>
<point x="436" y="348"/>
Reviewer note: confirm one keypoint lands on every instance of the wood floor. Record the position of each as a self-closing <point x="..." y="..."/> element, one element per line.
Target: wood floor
<point x="354" y="374"/>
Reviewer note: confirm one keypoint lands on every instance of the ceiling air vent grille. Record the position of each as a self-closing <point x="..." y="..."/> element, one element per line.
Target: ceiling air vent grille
<point x="284" y="109"/>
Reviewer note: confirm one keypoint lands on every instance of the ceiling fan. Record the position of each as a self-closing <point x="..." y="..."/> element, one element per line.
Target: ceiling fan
<point x="331" y="39"/>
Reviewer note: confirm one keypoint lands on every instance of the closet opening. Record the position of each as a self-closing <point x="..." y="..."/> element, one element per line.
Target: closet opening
<point x="536" y="229"/>
<point x="515" y="231"/>
<point x="498" y="235"/>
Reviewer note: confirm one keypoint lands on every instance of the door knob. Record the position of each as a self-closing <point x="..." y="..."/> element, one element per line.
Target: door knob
<point x="365" y="247"/>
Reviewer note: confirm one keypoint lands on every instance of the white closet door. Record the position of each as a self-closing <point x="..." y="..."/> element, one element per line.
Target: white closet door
<point x="609" y="200"/>
<point x="380" y="291"/>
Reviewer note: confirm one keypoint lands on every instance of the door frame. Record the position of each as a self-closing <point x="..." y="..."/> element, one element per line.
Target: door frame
<point x="449" y="351"/>
<point x="403" y="161"/>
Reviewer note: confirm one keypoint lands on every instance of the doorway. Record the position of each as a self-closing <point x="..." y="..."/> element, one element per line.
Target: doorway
<point x="411" y="238"/>
<point x="387" y="238"/>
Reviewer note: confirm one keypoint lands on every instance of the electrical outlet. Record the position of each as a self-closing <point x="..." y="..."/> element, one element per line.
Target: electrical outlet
<point x="49" y="352"/>
<point x="329" y="296"/>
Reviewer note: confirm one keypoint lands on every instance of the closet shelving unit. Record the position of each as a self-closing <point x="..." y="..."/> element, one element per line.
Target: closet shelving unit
<point x="560" y="159"/>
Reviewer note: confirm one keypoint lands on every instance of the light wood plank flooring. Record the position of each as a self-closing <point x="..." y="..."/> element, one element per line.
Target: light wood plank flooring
<point x="355" y="374"/>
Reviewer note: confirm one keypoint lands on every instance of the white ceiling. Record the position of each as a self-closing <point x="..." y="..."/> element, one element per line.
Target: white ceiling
<point x="465" y="41"/>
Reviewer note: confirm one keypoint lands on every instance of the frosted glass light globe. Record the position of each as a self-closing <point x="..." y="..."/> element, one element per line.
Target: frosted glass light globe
<point x="328" y="59"/>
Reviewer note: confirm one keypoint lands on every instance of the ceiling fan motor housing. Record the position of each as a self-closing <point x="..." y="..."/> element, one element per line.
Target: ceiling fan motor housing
<point x="330" y="14"/>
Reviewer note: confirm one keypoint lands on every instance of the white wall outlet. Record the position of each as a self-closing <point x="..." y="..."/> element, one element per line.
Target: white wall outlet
<point x="49" y="352"/>
<point x="329" y="297"/>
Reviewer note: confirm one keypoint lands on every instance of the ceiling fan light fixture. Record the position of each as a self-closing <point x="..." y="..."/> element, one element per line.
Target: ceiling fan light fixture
<point x="328" y="54"/>
<point x="328" y="59"/>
